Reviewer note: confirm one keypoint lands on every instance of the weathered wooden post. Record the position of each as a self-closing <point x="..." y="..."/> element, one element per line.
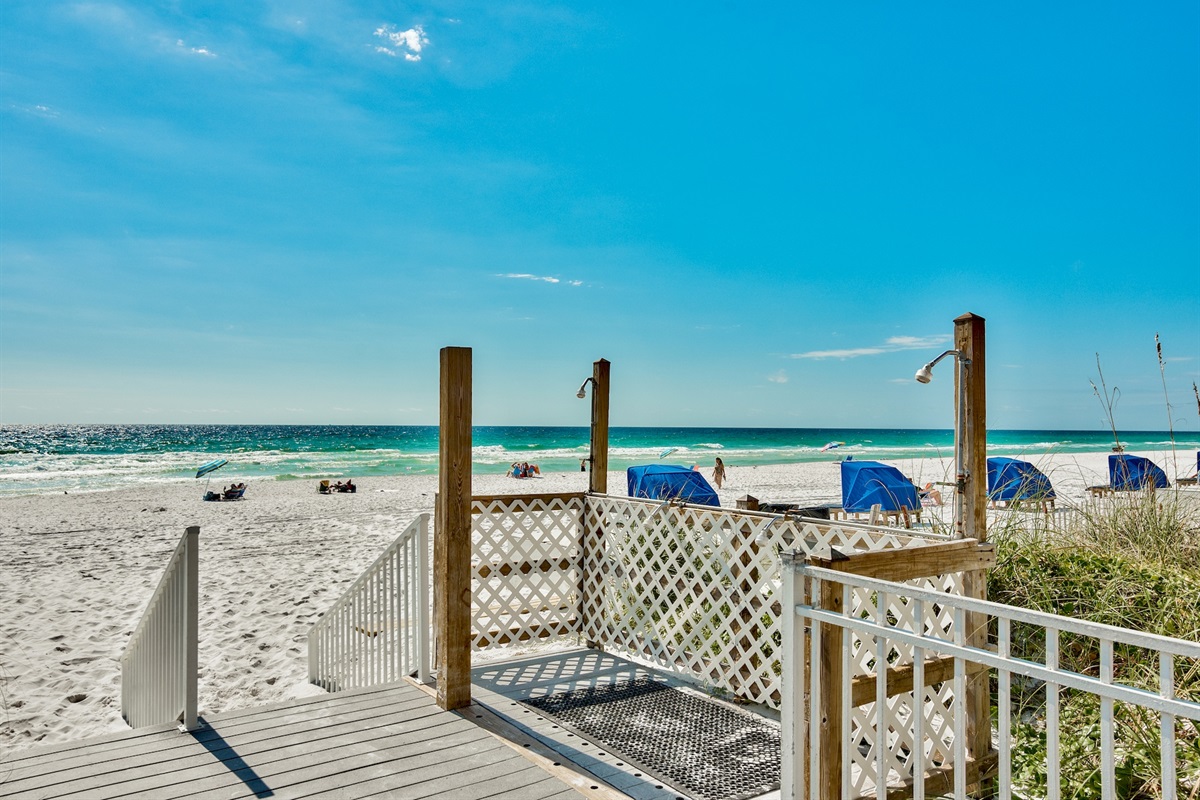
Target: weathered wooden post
<point x="970" y="341"/>
<point x="597" y="484"/>
<point x="598" y="481"/>
<point x="452" y="539"/>
<point x="830" y="702"/>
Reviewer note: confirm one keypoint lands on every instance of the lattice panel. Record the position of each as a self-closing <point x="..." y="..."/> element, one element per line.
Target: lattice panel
<point x="525" y="569"/>
<point x="937" y="701"/>
<point x="696" y="589"/>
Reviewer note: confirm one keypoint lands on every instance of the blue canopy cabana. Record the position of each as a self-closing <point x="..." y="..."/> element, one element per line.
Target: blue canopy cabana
<point x="670" y="482"/>
<point x="1128" y="473"/>
<point x="1010" y="479"/>
<point x="868" y="483"/>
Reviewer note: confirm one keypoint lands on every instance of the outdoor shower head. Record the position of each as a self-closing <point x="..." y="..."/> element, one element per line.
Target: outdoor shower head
<point x="582" y="393"/>
<point x="925" y="373"/>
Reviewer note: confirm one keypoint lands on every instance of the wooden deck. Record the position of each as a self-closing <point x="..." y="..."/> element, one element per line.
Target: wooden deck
<point x="388" y="741"/>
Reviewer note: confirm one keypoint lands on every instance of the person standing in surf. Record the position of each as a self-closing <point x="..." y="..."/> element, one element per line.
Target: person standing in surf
<point x="719" y="472"/>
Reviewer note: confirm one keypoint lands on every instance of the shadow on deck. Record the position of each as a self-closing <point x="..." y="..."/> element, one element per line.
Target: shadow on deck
<point x="388" y="741"/>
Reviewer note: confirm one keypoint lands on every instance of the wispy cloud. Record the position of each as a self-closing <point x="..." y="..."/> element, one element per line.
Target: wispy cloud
<point x="525" y="276"/>
<point x="200" y="51"/>
<point x="408" y="43"/>
<point x="778" y="377"/>
<point x="893" y="345"/>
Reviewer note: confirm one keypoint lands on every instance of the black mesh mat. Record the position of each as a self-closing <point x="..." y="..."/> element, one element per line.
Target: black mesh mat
<point x="703" y="748"/>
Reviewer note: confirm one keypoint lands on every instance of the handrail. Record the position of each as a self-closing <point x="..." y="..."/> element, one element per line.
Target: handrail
<point x="378" y="631"/>
<point x="160" y="663"/>
<point x="1096" y="630"/>
<point x="875" y="621"/>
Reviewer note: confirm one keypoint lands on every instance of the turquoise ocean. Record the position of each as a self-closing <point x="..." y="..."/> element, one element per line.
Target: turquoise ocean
<point x="37" y="459"/>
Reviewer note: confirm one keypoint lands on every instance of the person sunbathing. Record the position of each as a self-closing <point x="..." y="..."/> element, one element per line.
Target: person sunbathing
<point x="929" y="494"/>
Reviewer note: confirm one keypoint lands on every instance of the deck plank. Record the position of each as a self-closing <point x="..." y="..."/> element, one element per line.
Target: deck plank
<point x="176" y="751"/>
<point x="386" y="741"/>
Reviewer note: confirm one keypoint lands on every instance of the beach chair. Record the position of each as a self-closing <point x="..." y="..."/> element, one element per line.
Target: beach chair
<point x="323" y="487"/>
<point x="1011" y="482"/>
<point x="1195" y="475"/>
<point x="870" y="484"/>
<point x="234" y="494"/>
<point x="1128" y="473"/>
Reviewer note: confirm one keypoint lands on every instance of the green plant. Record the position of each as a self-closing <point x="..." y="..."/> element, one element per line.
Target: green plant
<point x="1132" y="564"/>
<point x="1109" y="401"/>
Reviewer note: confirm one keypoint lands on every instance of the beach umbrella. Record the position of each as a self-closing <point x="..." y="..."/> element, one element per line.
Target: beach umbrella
<point x="211" y="466"/>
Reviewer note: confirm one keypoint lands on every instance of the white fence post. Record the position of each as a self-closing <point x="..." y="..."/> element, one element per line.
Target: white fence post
<point x="794" y="721"/>
<point x="191" y="625"/>
<point x="424" y="597"/>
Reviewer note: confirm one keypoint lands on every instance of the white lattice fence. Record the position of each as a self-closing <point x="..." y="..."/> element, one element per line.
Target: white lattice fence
<point x="525" y="567"/>
<point x="896" y="749"/>
<point x="695" y="589"/>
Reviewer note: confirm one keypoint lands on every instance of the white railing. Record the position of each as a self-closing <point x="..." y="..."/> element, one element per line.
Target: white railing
<point x="159" y="665"/>
<point x="920" y="755"/>
<point x="378" y="631"/>
<point x="695" y="589"/>
<point x="525" y="567"/>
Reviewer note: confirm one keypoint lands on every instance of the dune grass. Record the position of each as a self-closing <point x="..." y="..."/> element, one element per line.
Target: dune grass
<point x="1133" y="562"/>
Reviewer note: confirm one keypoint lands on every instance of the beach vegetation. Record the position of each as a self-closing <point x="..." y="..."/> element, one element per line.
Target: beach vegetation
<point x="1132" y="562"/>
<point x="1108" y="401"/>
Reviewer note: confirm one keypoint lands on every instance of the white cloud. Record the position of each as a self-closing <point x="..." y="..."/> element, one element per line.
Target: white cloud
<point x="527" y="276"/>
<point x="200" y="51"/>
<point x="917" y="342"/>
<point x="412" y="40"/>
<point x="778" y="377"/>
<point x="892" y="345"/>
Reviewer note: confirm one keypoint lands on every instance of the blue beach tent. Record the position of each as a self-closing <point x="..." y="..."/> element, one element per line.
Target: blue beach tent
<point x="1010" y="479"/>
<point x="668" y="481"/>
<point x="1128" y="473"/>
<point x="868" y="483"/>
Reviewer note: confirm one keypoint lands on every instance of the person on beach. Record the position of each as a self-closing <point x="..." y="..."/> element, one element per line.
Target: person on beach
<point x="929" y="493"/>
<point x="719" y="472"/>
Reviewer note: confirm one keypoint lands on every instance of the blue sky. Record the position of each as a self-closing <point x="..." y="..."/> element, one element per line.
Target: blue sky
<point x="280" y="211"/>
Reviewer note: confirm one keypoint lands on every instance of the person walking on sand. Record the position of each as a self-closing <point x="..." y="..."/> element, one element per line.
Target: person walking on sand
<point x="719" y="472"/>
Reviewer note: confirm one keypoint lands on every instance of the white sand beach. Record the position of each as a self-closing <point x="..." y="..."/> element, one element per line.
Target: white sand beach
<point x="78" y="570"/>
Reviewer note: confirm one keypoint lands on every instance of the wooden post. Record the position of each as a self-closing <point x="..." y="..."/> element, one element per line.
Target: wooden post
<point x="830" y="744"/>
<point x="452" y="540"/>
<point x="590" y="540"/>
<point x="598" y="482"/>
<point x="970" y="341"/>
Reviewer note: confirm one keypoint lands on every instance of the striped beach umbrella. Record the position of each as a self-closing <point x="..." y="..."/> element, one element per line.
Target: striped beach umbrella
<point x="211" y="466"/>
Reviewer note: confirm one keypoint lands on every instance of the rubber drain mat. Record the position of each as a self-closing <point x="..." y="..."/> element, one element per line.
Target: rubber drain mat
<point x="703" y="748"/>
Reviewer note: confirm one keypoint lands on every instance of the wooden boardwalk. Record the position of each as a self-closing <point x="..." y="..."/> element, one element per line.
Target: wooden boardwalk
<point x="388" y="741"/>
